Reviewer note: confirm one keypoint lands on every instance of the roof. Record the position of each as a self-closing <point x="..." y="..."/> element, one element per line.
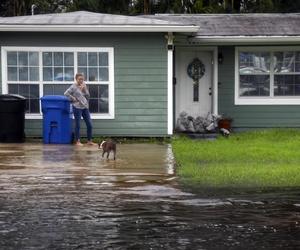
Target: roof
<point x="274" y="24"/>
<point x="274" y="28"/>
<point x="225" y="28"/>
<point x="88" y="21"/>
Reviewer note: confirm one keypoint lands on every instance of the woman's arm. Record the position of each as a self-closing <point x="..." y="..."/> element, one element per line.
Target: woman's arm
<point x="69" y="93"/>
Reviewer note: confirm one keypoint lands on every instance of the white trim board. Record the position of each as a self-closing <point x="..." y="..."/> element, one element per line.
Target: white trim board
<point x="99" y="28"/>
<point x="170" y="92"/>
<point x="229" y="40"/>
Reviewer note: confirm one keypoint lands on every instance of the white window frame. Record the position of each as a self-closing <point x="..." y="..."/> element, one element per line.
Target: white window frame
<point x="110" y="82"/>
<point x="262" y="100"/>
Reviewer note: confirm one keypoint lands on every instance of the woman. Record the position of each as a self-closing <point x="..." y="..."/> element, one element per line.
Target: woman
<point x="78" y="94"/>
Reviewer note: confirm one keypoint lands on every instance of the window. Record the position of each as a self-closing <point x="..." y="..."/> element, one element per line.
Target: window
<point x="267" y="75"/>
<point x="58" y="66"/>
<point x="35" y="72"/>
<point x="287" y="73"/>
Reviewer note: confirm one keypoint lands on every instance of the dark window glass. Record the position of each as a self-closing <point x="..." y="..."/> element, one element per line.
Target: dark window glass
<point x="99" y="98"/>
<point x="254" y="85"/>
<point x="103" y="59"/>
<point x="30" y="92"/>
<point x="286" y="85"/>
<point x="55" y="89"/>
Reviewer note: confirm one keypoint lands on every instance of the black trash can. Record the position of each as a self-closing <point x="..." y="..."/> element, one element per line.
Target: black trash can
<point x="12" y="118"/>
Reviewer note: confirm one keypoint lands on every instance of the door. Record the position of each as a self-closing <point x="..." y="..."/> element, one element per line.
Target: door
<point x="194" y="100"/>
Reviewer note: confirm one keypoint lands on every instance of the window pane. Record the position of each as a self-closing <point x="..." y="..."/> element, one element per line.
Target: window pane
<point x="103" y="106"/>
<point x="82" y="59"/>
<point x="103" y="74"/>
<point x="55" y="89"/>
<point x="23" y="73"/>
<point x="47" y="74"/>
<point x="33" y="58"/>
<point x="297" y="67"/>
<point x="12" y="58"/>
<point x="93" y="89"/>
<point x="103" y="102"/>
<point x="34" y="98"/>
<point x="34" y="106"/>
<point x="284" y="62"/>
<point x="59" y="89"/>
<point x="297" y="85"/>
<point x="12" y="74"/>
<point x="254" y="85"/>
<point x="93" y="74"/>
<point x="69" y="58"/>
<point x="286" y="85"/>
<point x="69" y="74"/>
<point x="253" y="63"/>
<point x="103" y="59"/>
<point x="48" y="89"/>
<point x="33" y="73"/>
<point x="93" y="105"/>
<point x="103" y="91"/>
<point x="34" y="91"/>
<point x="99" y="98"/>
<point x="30" y="92"/>
<point x="24" y="90"/>
<point x="23" y="58"/>
<point x="13" y="88"/>
<point x="58" y="58"/>
<point x="83" y="71"/>
<point x="58" y="74"/>
<point x="92" y="59"/>
<point x="47" y="59"/>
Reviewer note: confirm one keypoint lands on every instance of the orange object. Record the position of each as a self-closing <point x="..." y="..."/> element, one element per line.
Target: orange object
<point x="225" y="123"/>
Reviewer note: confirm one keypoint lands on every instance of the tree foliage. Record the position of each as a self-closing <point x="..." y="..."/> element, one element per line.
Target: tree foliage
<point x="135" y="7"/>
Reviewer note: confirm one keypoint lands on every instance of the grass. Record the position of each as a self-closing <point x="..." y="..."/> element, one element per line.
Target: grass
<point x="264" y="159"/>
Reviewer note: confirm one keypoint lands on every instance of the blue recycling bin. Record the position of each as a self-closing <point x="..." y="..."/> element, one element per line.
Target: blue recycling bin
<point x="57" y="119"/>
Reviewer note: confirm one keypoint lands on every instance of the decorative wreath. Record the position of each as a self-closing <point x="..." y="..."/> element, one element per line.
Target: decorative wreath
<point x="196" y="70"/>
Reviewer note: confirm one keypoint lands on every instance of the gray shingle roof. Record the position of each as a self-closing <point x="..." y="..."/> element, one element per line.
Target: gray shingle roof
<point x="239" y="24"/>
<point x="210" y="25"/>
<point x="83" y="18"/>
<point x="83" y="21"/>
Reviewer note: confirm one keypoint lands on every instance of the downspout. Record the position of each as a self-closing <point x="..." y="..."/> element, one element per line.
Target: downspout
<point x="170" y="38"/>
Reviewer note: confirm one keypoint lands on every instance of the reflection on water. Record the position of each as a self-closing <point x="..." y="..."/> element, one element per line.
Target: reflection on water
<point x="72" y="198"/>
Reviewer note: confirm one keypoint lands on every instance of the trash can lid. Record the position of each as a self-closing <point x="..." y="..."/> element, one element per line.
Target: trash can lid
<point x="55" y="98"/>
<point x="11" y="97"/>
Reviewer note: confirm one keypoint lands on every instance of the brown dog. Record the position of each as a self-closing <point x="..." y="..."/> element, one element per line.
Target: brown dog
<point x="107" y="147"/>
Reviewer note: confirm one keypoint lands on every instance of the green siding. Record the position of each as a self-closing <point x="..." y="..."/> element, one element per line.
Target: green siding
<point x="250" y="116"/>
<point x="140" y="79"/>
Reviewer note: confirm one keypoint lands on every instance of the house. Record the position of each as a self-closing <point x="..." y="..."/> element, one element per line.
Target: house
<point x="253" y="66"/>
<point x="144" y="71"/>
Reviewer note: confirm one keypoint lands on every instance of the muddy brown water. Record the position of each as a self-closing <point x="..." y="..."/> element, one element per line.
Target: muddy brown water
<point x="63" y="197"/>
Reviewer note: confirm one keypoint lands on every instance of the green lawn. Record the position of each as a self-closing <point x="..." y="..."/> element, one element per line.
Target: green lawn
<point x="265" y="158"/>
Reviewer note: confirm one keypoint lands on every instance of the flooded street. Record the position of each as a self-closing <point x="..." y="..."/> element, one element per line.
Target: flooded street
<point x="63" y="197"/>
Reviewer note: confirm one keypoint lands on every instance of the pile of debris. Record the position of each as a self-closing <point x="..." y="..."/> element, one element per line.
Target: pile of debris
<point x="209" y="124"/>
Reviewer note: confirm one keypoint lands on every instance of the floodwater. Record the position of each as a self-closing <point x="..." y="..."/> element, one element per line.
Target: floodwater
<point x="66" y="197"/>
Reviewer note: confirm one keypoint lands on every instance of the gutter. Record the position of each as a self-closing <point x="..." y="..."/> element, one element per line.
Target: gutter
<point x="243" y="39"/>
<point x="98" y="28"/>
